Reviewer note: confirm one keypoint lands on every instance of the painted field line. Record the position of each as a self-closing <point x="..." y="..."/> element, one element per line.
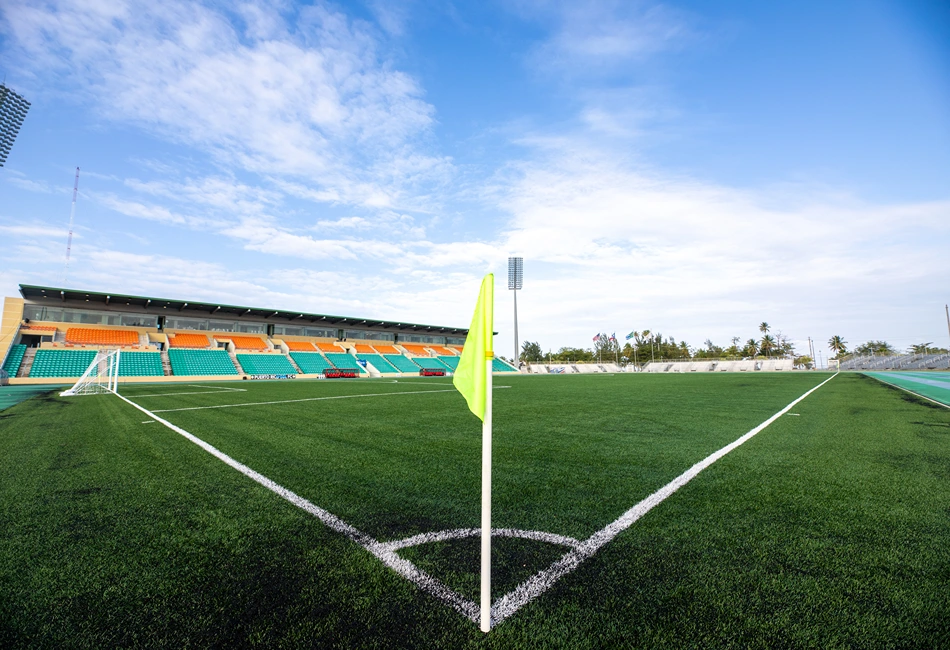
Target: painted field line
<point x="510" y="603"/>
<point x="381" y="551"/>
<point x="906" y="390"/>
<point x="541" y="582"/>
<point x="462" y="533"/>
<point x="305" y="399"/>
<point x="194" y="392"/>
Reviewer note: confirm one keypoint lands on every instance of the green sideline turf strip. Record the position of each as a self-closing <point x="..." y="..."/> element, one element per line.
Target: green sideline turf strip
<point x="829" y="528"/>
<point x="12" y="395"/>
<point x="934" y="385"/>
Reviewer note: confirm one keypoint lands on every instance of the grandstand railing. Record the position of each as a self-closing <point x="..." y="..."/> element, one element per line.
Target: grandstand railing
<point x="898" y="362"/>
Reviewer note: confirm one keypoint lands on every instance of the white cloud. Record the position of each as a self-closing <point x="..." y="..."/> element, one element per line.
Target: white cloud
<point x="603" y="35"/>
<point x="610" y="246"/>
<point x="41" y="187"/>
<point x="305" y="94"/>
<point x="41" y="231"/>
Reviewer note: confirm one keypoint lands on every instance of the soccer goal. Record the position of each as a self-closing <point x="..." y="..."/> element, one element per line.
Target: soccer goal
<point x="102" y="375"/>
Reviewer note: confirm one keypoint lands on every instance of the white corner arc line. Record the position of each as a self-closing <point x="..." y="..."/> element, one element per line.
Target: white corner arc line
<point x="305" y="399"/>
<point x="542" y="581"/>
<point x="462" y="533"/>
<point x="388" y="557"/>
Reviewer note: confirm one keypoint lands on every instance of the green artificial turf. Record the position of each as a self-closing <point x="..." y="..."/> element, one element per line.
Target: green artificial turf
<point x="827" y="529"/>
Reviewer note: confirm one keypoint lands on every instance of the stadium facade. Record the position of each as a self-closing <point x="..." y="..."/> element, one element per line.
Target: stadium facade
<point x="52" y="334"/>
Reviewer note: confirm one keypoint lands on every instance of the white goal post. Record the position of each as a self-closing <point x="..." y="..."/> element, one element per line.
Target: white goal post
<point x="102" y="375"/>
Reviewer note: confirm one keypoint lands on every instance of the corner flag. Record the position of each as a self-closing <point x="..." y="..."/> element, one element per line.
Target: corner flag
<point x="473" y="379"/>
<point x="472" y="373"/>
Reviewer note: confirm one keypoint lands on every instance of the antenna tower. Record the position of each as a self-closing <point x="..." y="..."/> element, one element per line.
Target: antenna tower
<point x="72" y="215"/>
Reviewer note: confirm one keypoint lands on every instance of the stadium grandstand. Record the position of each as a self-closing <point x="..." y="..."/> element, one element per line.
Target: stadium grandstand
<point x="52" y="334"/>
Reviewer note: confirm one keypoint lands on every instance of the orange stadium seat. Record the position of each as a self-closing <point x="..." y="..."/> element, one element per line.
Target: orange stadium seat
<point x="387" y="349"/>
<point x="85" y="336"/>
<point x="418" y="350"/>
<point x="246" y="342"/>
<point x="188" y="341"/>
<point x="329" y="347"/>
<point x="299" y="346"/>
<point x="40" y="328"/>
<point x="438" y="349"/>
<point x="363" y="348"/>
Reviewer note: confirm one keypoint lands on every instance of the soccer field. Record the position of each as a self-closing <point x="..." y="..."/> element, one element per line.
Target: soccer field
<point x="344" y="516"/>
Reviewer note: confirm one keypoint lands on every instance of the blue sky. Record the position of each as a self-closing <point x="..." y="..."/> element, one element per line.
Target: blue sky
<point x="691" y="168"/>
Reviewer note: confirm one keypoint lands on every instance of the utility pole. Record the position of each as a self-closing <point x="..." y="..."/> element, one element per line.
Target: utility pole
<point x="811" y="352"/>
<point x="947" y="309"/>
<point x="69" y="240"/>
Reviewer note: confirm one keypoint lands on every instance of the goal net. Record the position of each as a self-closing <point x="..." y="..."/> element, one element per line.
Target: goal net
<point x="102" y="375"/>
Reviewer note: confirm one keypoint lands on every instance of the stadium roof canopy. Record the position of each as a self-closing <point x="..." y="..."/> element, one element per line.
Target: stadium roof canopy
<point x="191" y="308"/>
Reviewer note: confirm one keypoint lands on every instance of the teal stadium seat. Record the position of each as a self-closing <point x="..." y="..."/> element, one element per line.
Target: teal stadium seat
<point x="266" y="364"/>
<point x="452" y="362"/>
<point x="497" y="365"/>
<point x="187" y="362"/>
<point x="310" y="363"/>
<point x="61" y="363"/>
<point x="378" y="362"/>
<point x="344" y="360"/>
<point x="402" y="364"/>
<point x="140" y="364"/>
<point x="14" y="358"/>
<point x="432" y="363"/>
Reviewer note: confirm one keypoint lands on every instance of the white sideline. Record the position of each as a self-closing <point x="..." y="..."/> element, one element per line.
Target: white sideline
<point x="524" y="593"/>
<point x="542" y="581"/>
<point x="305" y="399"/>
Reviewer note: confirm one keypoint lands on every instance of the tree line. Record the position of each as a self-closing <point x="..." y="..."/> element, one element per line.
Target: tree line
<point x="839" y="347"/>
<point x="644" y="346"/>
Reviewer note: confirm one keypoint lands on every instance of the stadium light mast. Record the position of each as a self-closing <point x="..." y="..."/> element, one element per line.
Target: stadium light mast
<point x="515" y="276"/>
<point x="13" y="108"/>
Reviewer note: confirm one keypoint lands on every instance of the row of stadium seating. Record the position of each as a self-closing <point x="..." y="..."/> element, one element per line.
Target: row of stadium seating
<point x="61" y="363"/>
<point x="89" y="336"/>
<point x="266" y="364"/>
<point x="201" y="362"/>
<point x="140" y="364"/>
<point x="196" y="340"/>
<point x="215" y="361"/>
<point x="12" y="364"/>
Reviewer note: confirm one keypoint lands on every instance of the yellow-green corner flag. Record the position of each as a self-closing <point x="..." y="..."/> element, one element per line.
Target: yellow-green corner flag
<point x="473" y="379"/>
<point x="471" y="376"/>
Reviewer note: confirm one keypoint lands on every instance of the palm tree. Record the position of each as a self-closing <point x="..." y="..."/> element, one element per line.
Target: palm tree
<point x="767" y="345"/>
<point x="646" y="334"/>
<point x="752" y="347"/>
<point x="764" y="327"/>
<point x="684" y="348"/>
<point x="837" y="345"/>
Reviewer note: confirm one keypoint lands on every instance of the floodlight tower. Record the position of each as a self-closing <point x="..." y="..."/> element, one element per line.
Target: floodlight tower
<point x="13" y="108"/>
<point x="515" y="276"/>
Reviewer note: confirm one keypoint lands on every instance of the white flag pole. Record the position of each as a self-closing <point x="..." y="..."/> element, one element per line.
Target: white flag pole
<point x="486" y="500"/>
